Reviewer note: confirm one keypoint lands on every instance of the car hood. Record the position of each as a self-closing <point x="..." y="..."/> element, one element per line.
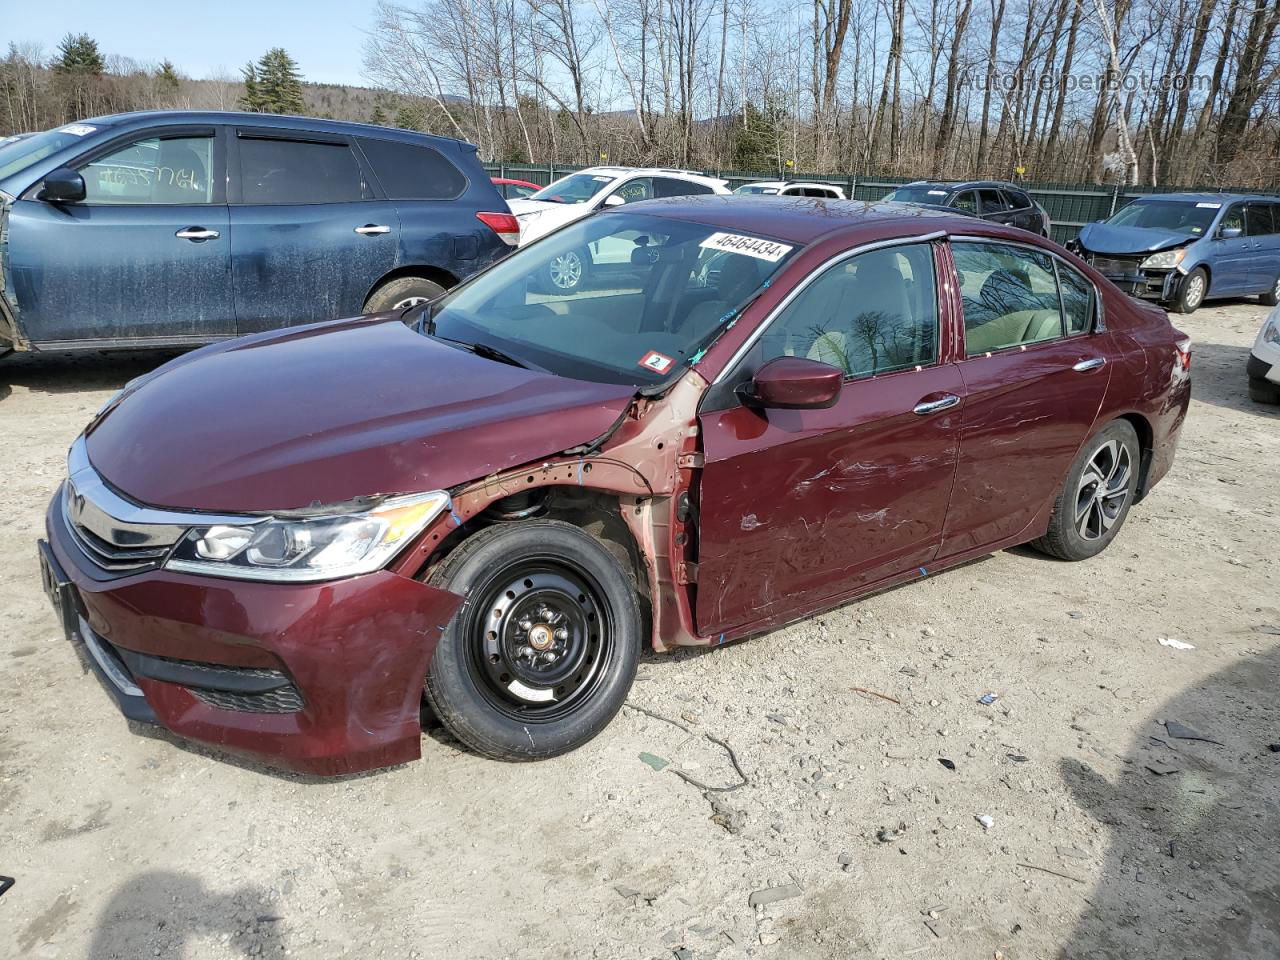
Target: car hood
<point x="1104" y="238"/>
<point x="330" y="412"/>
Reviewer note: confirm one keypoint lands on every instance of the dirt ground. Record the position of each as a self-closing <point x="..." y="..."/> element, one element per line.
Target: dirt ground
<point x="1109" y="838"/>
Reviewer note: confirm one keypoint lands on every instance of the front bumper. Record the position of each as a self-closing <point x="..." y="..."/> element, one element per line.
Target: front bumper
<point x="1162" y="285"/>
<point x="322" y="678"/>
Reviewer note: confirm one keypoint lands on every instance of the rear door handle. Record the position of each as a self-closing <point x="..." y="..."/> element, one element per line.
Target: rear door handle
<point x="926" y="407"/>
<point x="1093" y="363"/>
<point x="197" y="234"/>
<point x="373" y="229"/>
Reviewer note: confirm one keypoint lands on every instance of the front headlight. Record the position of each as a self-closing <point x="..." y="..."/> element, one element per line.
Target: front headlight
<point x="1164" y="259"/>
<point x="1271" y="332"/>
<point x="307" y="548"/>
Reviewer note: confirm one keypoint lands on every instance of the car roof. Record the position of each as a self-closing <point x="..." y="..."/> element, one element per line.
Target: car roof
<point x="279" y="121"/>
<point x="665" y="171"/>
<point x="1203" y="197"/>
<point x="965" y="184"/>
<point x="799" y="220"/>
<point x="782" y="184"/>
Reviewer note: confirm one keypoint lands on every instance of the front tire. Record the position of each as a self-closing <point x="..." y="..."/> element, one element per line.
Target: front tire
<point x="1096" y="497"/>
<point x="1192" y="291"/>
<point x="567" y="273"/>
<point x="1263" y="391"/>
<point x="545" y="647"/>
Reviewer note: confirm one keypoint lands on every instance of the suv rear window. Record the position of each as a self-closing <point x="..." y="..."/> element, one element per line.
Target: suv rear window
<point x="296" y="171"/>
<point x="408" y="171"/>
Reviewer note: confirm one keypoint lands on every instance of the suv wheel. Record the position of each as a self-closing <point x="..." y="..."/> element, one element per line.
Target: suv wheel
<point x="1192" y="291"/>
<point x="543" y="652"/>
<point x="403" y="293"/>
<point x="1096" y="498"/>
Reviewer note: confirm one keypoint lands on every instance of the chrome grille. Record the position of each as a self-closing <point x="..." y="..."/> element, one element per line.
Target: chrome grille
<point x="118" y="534"/>
<point x="1123" y="266"/>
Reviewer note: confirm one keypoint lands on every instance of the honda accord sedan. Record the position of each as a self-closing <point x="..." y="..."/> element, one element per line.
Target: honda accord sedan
<point x="280" y="545"/>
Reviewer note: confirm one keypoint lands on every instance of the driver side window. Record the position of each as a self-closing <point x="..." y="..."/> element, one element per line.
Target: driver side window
<point x="641" y="188"/>
<point x="874" y="313"/>
<point x="152" y="171"/>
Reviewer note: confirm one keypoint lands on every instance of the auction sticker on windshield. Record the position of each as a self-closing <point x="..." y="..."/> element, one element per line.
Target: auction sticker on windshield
<point x="756" y="247"/>
<point x="655" y="361"/>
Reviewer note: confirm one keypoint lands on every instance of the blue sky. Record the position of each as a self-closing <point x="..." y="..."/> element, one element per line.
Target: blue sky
<point x="326" y="37"/>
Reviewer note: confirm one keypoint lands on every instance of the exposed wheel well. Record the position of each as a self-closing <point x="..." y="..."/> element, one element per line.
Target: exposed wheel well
<point x="1146" y="439"/>
<point x="596" y="512"/>
<point x="434" y="274"/>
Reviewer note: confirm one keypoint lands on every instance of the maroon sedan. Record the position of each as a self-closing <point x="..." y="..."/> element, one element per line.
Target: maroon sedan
<point x="759" y="409"/>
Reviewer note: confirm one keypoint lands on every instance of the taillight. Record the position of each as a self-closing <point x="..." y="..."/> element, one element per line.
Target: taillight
<point x="1183" y="347"/>
<point x="504" y="225"/>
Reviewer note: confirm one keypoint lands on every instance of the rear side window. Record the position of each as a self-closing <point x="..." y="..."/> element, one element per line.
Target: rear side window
<point x="1260" y="219"/>
<point x="295" y="171"/>
<point x="667" y="187"/>
<point x="992" y="201"/>
<point x="408" y="171"/>
<point x="1010" y="296"/>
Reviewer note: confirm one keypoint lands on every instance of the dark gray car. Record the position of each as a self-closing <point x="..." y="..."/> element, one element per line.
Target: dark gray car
<point x="988" y="199"/>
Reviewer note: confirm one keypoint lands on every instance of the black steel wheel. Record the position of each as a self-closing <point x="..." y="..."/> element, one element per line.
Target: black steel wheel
<point x="542" y="653"/>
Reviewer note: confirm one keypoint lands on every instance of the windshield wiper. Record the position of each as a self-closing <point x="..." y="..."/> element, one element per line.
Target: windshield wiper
<point x="493" y="353"/>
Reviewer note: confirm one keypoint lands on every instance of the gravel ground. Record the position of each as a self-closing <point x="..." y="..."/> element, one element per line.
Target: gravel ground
<point x="1107" y="838"/>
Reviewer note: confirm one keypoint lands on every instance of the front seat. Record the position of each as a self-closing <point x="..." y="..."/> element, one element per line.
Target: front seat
<point x="869" y="320"/>
<point x="180" y="175"/>
<point x="738" y="277"/>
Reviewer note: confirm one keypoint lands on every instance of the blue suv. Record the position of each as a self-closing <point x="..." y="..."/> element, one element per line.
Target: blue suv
<point x="171" y="229"/>
<point x="1185" y="248"/>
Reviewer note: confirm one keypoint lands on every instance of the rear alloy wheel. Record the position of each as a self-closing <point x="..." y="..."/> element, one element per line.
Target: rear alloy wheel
<point x="1272" y="296"/>
<point x="542" y="654"/>
<point x="567" y="272"/>
<point x="403" y="293"/>
<point x="1096" y="498"/>
<point x="1192" y="291"/>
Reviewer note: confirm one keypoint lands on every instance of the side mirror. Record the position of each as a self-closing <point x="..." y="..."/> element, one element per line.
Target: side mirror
<point x="1229" y="233"/>
<point x="63" y="185"/>
<point x="614" y="200"/>
<point x="793" y="383"/>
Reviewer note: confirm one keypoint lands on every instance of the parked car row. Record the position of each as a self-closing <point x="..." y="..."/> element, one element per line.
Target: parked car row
<point x="762" y="407"/>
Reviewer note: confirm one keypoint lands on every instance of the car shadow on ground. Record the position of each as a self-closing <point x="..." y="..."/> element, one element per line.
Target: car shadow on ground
<point x="1192" y="869"/>
<point x="73" y="372"/>
<point x="160" y="911"/>
<point x="1229" y="387"/>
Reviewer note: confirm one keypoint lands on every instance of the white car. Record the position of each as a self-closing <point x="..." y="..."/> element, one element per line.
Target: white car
<point x="1264" y="361"/>
<point x="791" y="188"/>
<point x="579" y="194"/>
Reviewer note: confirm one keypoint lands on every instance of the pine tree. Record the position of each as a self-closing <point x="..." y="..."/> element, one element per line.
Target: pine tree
<point x="273" y="84"/>
<point x="167" y="77"/>
<point x="410" y="117"/>
<point x="79" y="54"/>
<point x="252" y="98"/>
<point x="379" y="116"/>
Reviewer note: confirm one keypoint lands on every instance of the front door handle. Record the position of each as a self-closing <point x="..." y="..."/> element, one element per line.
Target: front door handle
<point x="372" y="229"/>
<point x="1093" y="363"/>
<point x="197" y="234"/>
<point x="944" y="402"/>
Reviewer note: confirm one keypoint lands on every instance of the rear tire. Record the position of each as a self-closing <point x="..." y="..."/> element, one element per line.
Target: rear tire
<point x="1272" y="296"/>
<point x="542" y="653"/>
<point x="1263" y="391"/>
<point x="1192" y="291"/>
<point x="1096" y="497"/>
<point x="402" y="293"/>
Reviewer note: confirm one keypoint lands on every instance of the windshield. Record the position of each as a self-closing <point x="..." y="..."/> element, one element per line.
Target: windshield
<point x="614" y="298"/>
<point x="755" y="188"/>
<point x="575" y="188"/>
<point x="1180" y="216"/>
<point x="919" y="194"/>
<point x="17" y="155"/>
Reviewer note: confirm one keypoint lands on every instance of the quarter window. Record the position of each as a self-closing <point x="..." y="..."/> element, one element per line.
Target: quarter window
<point x="295" y="171"/>
<point x="175" y="171"/>
<point x="1010" y="296"/>
<point x="872" y="314"/>
<point x="1078" y="304"/>
<point x="408" y="171"/>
